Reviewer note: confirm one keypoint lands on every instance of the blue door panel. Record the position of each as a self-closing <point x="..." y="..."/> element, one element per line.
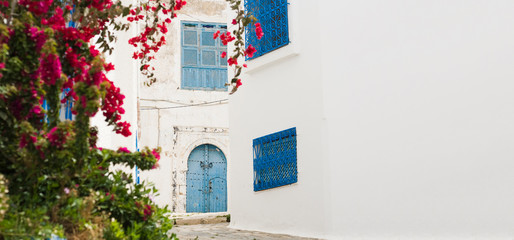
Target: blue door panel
<point x="195" y="178"/>
<point x="206" y="180"/>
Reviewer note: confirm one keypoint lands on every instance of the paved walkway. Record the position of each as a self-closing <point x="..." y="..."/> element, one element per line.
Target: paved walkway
<point x="221" y="231"/>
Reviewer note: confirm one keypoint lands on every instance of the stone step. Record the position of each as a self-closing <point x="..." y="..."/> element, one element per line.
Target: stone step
<point x="200" y="218"/>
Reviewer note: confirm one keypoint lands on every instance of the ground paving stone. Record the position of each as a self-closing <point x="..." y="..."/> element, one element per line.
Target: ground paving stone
<point x="221" y="231"/>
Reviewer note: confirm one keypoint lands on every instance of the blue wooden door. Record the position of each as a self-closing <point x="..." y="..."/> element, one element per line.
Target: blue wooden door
<point x="206" y="180"/>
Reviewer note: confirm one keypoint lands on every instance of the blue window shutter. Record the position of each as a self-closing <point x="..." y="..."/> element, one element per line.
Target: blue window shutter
<point x="222" y="61"/>
<point x="69" y="115"/>
<point x="190" y="56"/>
<point x="66" y="107"/>
<point x="190" y="37"/>
<point x="223" y="29"/>
<point x="209" y="58"/>
<point x="201" y="61"/>
<point x="222" y="79"/>
<point x="203" y="83"/>
<point x="190" y="77"/>
<point x="72" y="23"/>
<point x="207" y="39"/>
<point x="211" y="77"/>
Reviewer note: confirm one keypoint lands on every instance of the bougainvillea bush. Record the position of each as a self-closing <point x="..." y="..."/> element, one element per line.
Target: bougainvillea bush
<point x="58" y="182"/>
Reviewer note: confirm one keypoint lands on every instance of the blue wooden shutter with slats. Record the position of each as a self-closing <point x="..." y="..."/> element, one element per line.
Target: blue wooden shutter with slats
<point x="202" y="65"/>
<point x="65" y="111"/>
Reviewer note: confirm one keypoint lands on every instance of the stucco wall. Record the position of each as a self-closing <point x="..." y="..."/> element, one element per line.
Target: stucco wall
<point x="404" y="112"/>
<point x="124" y="76"/>
<point x="167" y="120"/>
<point x="420" y="115"/>
<point x="153" y="113"/>
<point x="281" y="90"/>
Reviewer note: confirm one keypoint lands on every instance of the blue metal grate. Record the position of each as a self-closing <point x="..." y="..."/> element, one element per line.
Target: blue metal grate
<point x="274" y="160"/>
<point x="272" y="14"/>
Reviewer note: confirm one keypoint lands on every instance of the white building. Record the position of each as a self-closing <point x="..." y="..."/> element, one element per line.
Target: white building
<point x="185" y="112"/>
<point x="404" y="115"/>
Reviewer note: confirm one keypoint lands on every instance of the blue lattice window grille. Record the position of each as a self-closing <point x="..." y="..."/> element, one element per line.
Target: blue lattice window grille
<point x="274" y="160"/>
<point x="272" y="14"/>
<point x="202" y="65"/>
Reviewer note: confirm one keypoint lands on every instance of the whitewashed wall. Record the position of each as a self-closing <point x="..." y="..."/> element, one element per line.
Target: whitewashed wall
<point x="281" y="90"/>
<point x="125" y="77"/>
<point x="179" y="130"/>
<point x="420" y="123"/>
<point x="176" y="130"/>
<point x="404" y="112"/>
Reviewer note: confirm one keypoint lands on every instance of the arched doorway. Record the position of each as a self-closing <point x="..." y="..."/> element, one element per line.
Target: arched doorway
<point x="206" y="180"/>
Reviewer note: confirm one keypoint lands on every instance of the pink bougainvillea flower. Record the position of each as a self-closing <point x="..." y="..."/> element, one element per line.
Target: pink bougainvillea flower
<point x="238" y="83"/>
<point x="258" y="31"/>
<point x="23" y="142"/>
<point x="147" y="212"/>
<point x="56" y="138"/>
<point x="226" y="38"/>
<point x="156" y="154"/>
<point x="123" y="149"/>
<point x="156" y="165"/>
<point x="216" y="34"/>
<point x="250" y="51"/>
<point x="37" y="7"/>
<point x="232" y="61"/>
<point x="179" y="4"/>
<point x="234" y="22"/>
<point x="50" y="68"/>
<point x="223" y="54"/>
<point x="36" y="109"/>
<point x="108" y="67"/>
<point x="123" y="128"/>
<point x="244" y="65"/>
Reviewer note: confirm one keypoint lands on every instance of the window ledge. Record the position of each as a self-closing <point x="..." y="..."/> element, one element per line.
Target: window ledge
<point x="275" y="56"/>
